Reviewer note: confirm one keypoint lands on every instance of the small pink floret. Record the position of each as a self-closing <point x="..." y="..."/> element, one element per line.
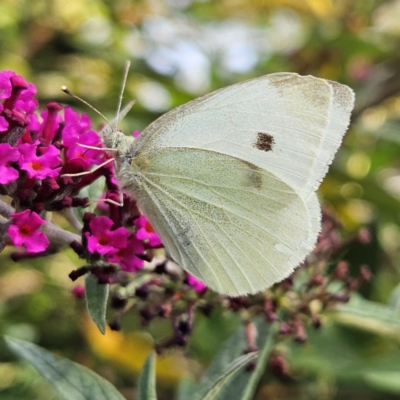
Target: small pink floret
<point x="79" y="291"/>
<point x="127" y="257"/>
<point x="195" y="283"/>
<point x="102" y="239"/>
<point x="25" y="231"/>
<point x="146" y="232"/>
<point x="8" y="154"/>
<point x="39" y="167"/>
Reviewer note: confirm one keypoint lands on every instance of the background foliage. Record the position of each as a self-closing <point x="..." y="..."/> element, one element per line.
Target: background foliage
<point x="179" y="50"/>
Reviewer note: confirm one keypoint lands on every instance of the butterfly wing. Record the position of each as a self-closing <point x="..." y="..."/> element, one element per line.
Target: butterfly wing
<point x="235" y="226"/>
<point x="228" y="180"/>
<point x="338" y="122"/>
<point x="287" y="124"/>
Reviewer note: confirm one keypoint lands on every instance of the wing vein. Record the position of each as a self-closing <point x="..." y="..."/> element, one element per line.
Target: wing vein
<point x="195" y="247"/>
<point x="262" y="216"/>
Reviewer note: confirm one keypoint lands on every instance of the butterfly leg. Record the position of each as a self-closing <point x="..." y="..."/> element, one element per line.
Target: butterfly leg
<point x="89" y="172"/>
<point x="96" y="148"/>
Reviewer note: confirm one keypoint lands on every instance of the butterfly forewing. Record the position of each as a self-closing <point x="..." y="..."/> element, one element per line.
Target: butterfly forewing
<point x="278" y="122"/>
<point x="339" y="118"/>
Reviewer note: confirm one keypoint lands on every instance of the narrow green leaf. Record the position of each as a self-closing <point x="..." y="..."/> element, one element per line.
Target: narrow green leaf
<point x="186" y="388"/>
<point x="394" y="299"/>
<point x="385" y="381"/>
<point x="369" y="316"/>
<point x="92" y="191"/>
<point x="214" y="391"/>
<point x="381" y="374"/>
<point x="266" y="343"/>
<point x="96" y="301"/>
<point x="244" y="385"/>
<point x="147" y="379"/>
<point x="70" y="380"/>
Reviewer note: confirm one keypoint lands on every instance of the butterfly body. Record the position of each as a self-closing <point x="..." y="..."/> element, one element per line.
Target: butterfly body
<point x="228" y="180"/>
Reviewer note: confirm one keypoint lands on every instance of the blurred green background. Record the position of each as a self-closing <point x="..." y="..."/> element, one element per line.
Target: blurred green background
<point x="181" y="49"/>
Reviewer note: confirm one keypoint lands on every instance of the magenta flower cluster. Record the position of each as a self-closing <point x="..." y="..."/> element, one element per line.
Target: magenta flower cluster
<point x="43" y="167"/>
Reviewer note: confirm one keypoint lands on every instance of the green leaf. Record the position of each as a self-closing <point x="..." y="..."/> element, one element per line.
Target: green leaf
<point x="185" y="389"/>
<point x="369" y="316"/>
<point x="147" y="379"/>
<point x="245" y="383"/>
<point x="70" y="380"/>
<point x="96" y="301"/>
<point x="380" y="373"/>
<point x="385" y="381"/>
<point x="93" y="191"/>
<point x="249" y="383"/>
<point x="394" y="299"/>
<point x="214" y="390"/>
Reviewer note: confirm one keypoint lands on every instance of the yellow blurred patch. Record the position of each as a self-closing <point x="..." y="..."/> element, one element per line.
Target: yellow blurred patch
<point x="19" y="282"/>
<point x="356" y="213"/>
<point x="130" y="350"/>
<point x="320" y="8"/>
<point x="358" y="165"/>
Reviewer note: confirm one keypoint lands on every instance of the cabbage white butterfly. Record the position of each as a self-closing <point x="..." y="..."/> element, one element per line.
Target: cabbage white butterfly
<point x="228" y="180"/>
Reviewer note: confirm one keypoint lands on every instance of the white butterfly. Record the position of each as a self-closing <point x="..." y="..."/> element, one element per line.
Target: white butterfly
<point x="228" y="180"/>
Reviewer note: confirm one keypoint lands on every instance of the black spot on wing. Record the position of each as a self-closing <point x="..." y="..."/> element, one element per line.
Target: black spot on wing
<point x="264" y="141"/>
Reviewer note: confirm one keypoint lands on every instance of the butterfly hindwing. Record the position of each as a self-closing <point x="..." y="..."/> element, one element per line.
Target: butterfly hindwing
<point x="232" y="224"/>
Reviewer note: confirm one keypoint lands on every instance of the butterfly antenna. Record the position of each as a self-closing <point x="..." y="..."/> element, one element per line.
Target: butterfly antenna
<point x="69" y="93"/>
<point x="121" y="95"/>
